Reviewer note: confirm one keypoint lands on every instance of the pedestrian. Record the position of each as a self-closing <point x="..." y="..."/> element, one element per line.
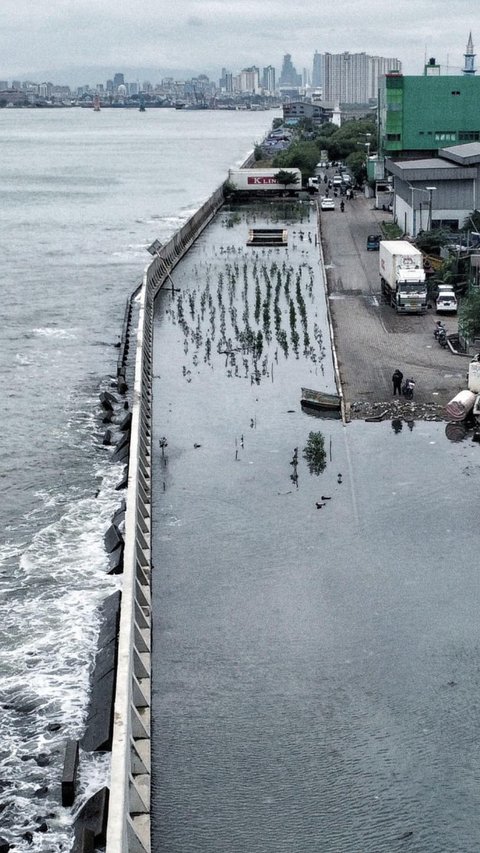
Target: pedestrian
<point x="397" y="382"/>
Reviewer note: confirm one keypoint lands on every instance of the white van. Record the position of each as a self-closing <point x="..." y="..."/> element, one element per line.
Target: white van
<point x="446" y="302"/>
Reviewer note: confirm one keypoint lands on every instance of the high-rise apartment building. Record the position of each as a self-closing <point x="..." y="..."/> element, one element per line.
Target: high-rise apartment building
<point x="249" y="79"/>
<point x="269" y="79"/>
<point x="351" y="78"/>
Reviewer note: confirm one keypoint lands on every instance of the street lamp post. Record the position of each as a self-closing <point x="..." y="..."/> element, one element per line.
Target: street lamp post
<point x="428" y="190"/>
<point x="366" y="146"/>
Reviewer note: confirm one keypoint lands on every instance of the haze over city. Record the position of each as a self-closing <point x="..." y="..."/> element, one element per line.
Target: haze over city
<point x="83" y="42"/>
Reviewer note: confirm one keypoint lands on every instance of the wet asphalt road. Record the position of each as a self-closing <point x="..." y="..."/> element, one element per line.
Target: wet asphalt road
<point x="371" y="339"/>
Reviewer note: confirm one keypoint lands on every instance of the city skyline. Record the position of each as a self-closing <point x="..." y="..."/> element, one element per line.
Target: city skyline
<point x="75" y="44"/>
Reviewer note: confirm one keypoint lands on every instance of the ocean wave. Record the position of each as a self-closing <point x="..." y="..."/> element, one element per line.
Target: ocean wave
<point x="50" y="332"/>
<point x="52" y="592"/>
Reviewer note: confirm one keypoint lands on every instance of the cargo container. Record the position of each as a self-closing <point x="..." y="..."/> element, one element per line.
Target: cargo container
<point x="402" y="276"/>
<point x="263" y="180"/>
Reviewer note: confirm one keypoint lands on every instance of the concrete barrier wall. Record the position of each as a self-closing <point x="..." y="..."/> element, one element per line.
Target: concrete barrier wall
<point x="128" y="828"/>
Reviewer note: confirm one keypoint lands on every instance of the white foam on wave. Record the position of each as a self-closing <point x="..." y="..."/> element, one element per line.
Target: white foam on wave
<point x="50" y="628"/>
<point x="22" y="360"/>
<point x="94" y="773"/>
<point x="50" y="332"/>
<point x="166" y="226"/>
<point x="130" y="254"/>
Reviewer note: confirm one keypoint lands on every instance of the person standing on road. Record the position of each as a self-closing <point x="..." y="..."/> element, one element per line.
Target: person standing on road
<point x="397" y="382"/>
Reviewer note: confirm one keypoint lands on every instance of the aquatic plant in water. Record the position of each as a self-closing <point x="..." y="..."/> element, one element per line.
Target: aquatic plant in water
<point x="258" y="302"/>
<point x="314" y="453"/>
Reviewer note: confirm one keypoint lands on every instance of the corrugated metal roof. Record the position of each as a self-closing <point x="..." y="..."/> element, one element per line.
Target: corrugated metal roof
<point x="430" y="169"/>
<point x="466" y="154"/>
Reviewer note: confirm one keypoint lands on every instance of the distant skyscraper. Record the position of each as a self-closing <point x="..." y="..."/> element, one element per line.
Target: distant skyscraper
<point x="222" y="83"/>
<point x="268" y="78"/>
<point x="469" y="67"/>
<point x="318" y="70"/>
<point x="118" y="80"/>
<point x="289" y="76"/>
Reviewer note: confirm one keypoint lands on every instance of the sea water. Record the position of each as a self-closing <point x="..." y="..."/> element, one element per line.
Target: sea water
<point x="83" y="195"/>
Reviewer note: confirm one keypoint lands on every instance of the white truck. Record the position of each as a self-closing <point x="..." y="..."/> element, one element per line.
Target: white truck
<point x="263" y="180"/>
<point x="402" y="276"/>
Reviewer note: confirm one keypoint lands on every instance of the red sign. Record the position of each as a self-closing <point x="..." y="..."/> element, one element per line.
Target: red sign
<point x="262" y="179"/>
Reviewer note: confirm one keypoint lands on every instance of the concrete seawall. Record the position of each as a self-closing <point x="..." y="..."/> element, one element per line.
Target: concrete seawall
<point x="129" y="802"/>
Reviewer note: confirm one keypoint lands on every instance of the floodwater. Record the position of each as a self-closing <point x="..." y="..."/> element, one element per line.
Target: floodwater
<point x="316" y="675"/>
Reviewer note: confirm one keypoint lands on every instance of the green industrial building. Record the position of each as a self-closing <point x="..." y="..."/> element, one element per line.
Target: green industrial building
<point x="420" y="115"/>
<point x="429" y="146"/>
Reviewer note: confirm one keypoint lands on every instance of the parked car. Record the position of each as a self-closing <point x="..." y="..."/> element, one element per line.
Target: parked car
<point x="373" y="242"/>
<point x="327" y="204"/>
<point x="446" y="302"/>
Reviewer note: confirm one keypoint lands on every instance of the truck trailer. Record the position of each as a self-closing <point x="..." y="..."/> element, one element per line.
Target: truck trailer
<point x="402" y="276"/>
<point x="263" y="180"/>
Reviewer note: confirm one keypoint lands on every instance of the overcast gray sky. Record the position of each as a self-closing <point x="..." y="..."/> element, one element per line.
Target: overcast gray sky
<point x="73" y="36"/>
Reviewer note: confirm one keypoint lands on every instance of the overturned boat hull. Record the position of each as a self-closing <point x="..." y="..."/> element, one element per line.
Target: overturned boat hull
<point x="320" y="400"/>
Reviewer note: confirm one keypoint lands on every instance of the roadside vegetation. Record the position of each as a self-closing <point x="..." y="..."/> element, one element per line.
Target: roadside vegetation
<point x="449" y="253"/>
<point x="469" y="315"/>
<point x="346" y="143"/>
<point x="391" y="231"/>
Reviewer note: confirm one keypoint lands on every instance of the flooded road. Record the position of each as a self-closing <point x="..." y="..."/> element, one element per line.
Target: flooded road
<point x="316" y="636"/>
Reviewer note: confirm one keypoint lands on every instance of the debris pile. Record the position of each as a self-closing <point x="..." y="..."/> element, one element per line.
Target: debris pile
<point x="408" y="410"/>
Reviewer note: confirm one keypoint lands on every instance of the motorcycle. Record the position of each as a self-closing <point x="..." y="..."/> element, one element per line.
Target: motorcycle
<point x="442" y="337"/>
<point x="342" y="206"/>
<point x="408" y="387"/>
<point x="439" y="330"/>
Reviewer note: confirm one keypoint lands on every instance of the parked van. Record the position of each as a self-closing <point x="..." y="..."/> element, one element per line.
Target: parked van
<point x="373" y="242"/>
<point x="446" y="302"/>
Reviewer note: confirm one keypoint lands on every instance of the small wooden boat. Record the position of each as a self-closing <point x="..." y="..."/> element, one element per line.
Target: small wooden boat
<point x="320" y="400"/>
